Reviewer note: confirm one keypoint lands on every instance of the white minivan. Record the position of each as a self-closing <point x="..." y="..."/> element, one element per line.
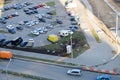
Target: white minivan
<point x="63" y="33"/>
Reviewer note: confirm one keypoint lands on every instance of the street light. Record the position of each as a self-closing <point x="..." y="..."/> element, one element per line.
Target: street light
<point x="7" y="69"/>
<point x="116" y="32"/>
<point x="71" y="43"/>
<point x="116" y="36"/>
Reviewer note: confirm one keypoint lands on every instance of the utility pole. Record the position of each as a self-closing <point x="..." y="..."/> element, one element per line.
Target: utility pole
<point x="6" y="70"/>
<point x="116" y="38"/>
<point x="71" y="44"/>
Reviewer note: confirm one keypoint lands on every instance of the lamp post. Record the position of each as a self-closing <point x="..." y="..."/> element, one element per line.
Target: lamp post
<point x="71" y="43"/>
<point x="116" y="32"/>
<point x="7" y="69"/>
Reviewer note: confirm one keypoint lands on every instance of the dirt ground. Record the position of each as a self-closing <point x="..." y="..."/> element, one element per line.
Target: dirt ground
<point x="104" y="12"/>
<point x="117" y="2"/>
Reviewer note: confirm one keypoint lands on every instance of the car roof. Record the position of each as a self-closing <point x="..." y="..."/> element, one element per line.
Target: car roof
<point x="106" y="76"/>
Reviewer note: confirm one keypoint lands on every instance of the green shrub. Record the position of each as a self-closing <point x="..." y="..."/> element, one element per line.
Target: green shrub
<point x="50" y="3"/>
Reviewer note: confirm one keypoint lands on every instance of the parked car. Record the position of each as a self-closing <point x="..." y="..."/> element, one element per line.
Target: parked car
<point x="53" y="38"/>
<point x="30" y="43"/>
<point x="35" y="22"/>
<point x="48" y="16"/>
<point x="42" y="20"/>
<point x="28" y="3"/>
<point x="19" y="27"/>
<point x="12" y="31"/>
<point x="5" y="43"/>
<point x="3" y="21"/>
<point x="68" y="1"/>
<point x="40" y="6"/>
<point x="63" y="33"/>
<point x="15" y="14"/>
<point x="72" y="18"/>
<point x="76" y="72"/>
<point x="25" y="10"/>
<point x="23" y="44"/>
<point x="16" y="41"/>
<point x="74" y="23"/>
<point x="35" y="32"/>
<point x="2" y="41"/>
<point x="49" y="26"/>
<point x="6" y="17"/>
<point x="29" y="12"/>
<point x="17" y="6"/>
<point x="50" y="13"/>
<point x="39" y="16"/>
<point x="73" y="28"/>
<point x="42" y="30"/>
<point x="59" y="21"/>
<point x="104" y="77"/>
<point x="9" y="27"/>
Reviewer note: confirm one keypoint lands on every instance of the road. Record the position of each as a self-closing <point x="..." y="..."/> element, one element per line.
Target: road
<point x="48" y="71"/>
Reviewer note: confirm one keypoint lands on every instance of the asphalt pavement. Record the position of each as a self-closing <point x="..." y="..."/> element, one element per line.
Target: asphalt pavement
<point x="98" y="54"/>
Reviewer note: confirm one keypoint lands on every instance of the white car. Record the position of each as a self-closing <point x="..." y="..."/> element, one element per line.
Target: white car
<point x="76" y="72"/>
<point x="35" y="32"/>
<point x="9" y="27"/>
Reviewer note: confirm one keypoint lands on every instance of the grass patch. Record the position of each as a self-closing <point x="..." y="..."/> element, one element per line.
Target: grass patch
<point x="24" y="75"/>
<point x="78" y="43"/>
<point x="50" y="3"/>
<point x="31" y="35"/>
<point x="54" y="12"/>
<point x="2" y="31"/>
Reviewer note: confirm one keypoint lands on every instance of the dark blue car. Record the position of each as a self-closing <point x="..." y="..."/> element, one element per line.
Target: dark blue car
<point x="12" y="31"/>
<point x="59" y="21"/>
<point x="19" y="27"/>
<point x="23" y="44"/>
<point x="5" y="43"/>
<point x="74" y="28"/>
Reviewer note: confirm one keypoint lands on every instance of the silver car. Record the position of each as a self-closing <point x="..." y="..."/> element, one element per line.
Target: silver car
<point x="76" y="72"/>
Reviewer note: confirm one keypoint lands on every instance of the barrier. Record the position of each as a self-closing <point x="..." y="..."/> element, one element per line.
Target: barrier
<point x="114" y="72"/>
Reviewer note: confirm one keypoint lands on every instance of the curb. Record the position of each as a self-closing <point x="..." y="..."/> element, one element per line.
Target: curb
<point x="92" y="69"/>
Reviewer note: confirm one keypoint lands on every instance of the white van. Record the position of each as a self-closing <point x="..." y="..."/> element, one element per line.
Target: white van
<point x="63" y="33"/>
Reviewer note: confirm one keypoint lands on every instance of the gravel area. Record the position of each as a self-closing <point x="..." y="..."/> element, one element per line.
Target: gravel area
<point x="103" y="12"/>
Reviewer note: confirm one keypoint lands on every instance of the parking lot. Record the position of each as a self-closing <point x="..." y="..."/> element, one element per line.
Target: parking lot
<point x="22" y="17"/>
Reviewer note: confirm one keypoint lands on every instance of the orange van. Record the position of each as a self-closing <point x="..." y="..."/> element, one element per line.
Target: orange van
<point x="6" y="54"/>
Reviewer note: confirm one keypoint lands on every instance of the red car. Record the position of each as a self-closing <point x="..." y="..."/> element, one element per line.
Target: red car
<point x="39" y="6"/>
